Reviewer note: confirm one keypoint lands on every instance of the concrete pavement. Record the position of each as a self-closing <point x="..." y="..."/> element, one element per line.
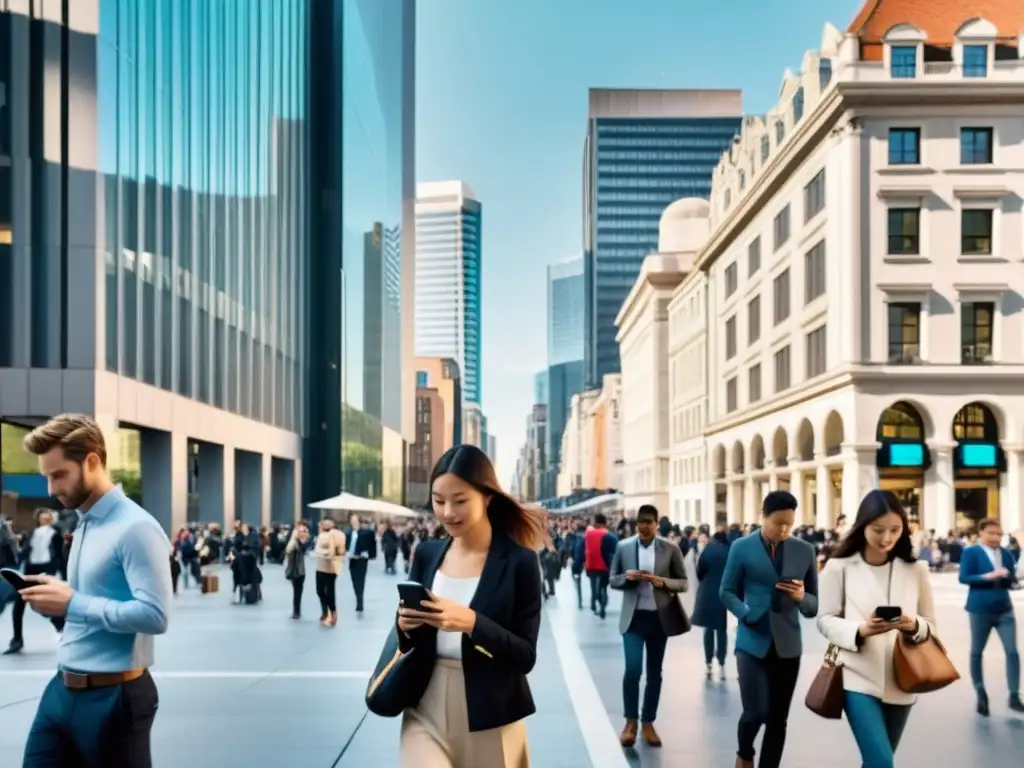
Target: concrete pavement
<point x="244" y="685"/>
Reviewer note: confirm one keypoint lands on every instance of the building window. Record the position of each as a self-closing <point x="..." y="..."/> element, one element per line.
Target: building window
<point x="976" y="232"/>
<point x="766" y="148"/>
<point x="754" y="320"/>
<point x="754" y="383"/>
<point x="814" y="196"/>
<point x="824" y="73"/>
<point x="754" y="256"/>
<point x="814" y="273"/>
<point x="975" y="146"/>
<point x="976" y="332"/>
<point x="903" y="61"/>
<point x="780" y="297"/>
<point x="904" y="332"/>
<point x="817" y="352"/>
<point x="780" y="131"/>
<point x="422" y="379"/>
<point x="782" y="373"/>
<point x="731" y="399"/>
<point x="975" y="60"/>
<point x="798" y="105"/>
<point x="730" y="338"/>
<point x="780" y="228"/>
<point x="904" y="231"/>
<point x="743" y="178"/>
<point x="732" y="280"/>
<point x="728" y="199"/>
<point x="904" y="146"/>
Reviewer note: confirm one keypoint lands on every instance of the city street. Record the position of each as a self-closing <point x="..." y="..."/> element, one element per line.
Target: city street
<point x="247" y="686"/>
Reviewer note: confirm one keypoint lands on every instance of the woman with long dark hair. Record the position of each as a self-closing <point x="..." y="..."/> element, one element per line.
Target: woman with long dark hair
<point x="872" y="588"/>
<point x="480" y="625"/>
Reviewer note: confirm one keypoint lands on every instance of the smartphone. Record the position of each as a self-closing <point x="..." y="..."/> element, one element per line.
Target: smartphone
<point x="412" y="595"/>
<point x="889" y="613"/>
<point x="786" y="581"/>
<point x="15" y="579"/>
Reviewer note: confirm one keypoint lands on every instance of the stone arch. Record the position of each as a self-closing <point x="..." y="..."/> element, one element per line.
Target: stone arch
<point x="757" y="453"/>
<point x="803" y="440"/>
<point x="780" y="447"/>
<point x="737" y="459"/>
<point x="718" y="465"/>
<point x="833" y="433"/>
<point x="977" y="421"/>
<point x="904" y="421"/>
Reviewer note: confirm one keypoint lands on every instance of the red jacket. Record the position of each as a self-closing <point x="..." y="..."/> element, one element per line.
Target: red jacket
<point x="593" y="549"/>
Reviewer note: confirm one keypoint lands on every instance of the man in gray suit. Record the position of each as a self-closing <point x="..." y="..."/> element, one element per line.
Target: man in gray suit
<point x="770" y="581"/>
<point x="650" y="572"/>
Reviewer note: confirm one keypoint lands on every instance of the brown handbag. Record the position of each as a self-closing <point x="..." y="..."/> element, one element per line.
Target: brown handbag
<point x="922" y="667"/>
<point x="825" y="696"/>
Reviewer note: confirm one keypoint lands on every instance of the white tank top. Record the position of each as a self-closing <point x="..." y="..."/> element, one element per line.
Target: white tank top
<point x="449" y="644"/>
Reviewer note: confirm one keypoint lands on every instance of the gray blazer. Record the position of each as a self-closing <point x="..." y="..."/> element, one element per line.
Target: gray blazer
<point x="668" y="564"/>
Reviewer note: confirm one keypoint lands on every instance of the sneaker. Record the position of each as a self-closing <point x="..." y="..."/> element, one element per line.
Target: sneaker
<point x="721" y="671"/>
<point x="708" y="671"/>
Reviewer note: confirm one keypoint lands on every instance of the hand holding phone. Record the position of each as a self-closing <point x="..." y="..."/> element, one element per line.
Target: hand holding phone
<point x="15" y="579"/>
<point x="889" y="613"/>
<point x="412" y="594"/>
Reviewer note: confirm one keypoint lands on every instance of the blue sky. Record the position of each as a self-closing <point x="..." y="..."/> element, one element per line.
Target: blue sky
<point x="502" y="104"/>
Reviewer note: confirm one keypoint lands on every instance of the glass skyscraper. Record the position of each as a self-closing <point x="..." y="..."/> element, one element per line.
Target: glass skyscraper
<point x="643" y="150"/>
<point x="448" y="278"/>
<point x="198" y="200"/>
<point x="566" y="314"/>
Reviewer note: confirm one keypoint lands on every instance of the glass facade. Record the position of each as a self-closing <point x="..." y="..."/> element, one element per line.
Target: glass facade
<point x="634" y="168"/>
<point x="566" y="330"/>
<point x="564" y="381"/>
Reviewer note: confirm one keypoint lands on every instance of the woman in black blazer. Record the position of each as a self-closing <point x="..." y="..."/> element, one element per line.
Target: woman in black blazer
<point x="481" y="629"/>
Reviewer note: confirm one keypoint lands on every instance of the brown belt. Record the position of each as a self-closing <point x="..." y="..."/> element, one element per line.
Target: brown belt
<point x="80" y="682"/>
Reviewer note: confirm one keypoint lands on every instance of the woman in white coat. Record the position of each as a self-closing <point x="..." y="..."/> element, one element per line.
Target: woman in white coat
<point x="874" y="567"/>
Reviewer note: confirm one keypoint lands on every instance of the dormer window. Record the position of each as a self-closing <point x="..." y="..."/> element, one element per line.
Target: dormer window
<point x="780" y="131"/>
<point x="798" y="105"/>
<point x="975" y="60"/>
<point x="824" y="73"/>
<point x="903" y="62"/>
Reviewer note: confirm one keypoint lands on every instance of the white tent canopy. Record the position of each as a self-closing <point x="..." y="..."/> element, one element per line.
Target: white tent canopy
<point x="613" y="500"/>
<point x="349" y="502"/>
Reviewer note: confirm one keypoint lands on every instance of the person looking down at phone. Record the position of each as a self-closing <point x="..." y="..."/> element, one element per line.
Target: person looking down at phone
<point x="479" y="621"/>
<point x="871" y="589"/>
<point x="770" y="580"/>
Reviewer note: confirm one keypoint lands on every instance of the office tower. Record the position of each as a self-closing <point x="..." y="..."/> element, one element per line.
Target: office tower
<point x="643" y="149"/>
<point x="448" y="279"/>
<point x="566" y="335"/>
<point x="190" y="296"/>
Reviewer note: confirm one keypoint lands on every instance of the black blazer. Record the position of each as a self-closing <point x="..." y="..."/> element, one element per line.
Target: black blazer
<point x="502" y="650"/>
<point x="366" y="542"/>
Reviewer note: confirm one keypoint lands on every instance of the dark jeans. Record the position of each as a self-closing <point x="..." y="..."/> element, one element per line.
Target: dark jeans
<point x="710" y="644"/>
<point x="389" y="561"/>
<point x="644" y="632"/>
<point x="326" y="589"/>
<point x="549" y="586"/>
<point x="298" y="582"/>
<point x="18" y="612"/>
<point x="766" y="691"/>
<point x="1005" y="625"/>
<point x="598" y="591"/>
<point x="98" y="728"/>
<point x="577" y="579"/>
<point x="877" y="727"/>
<point x="357" y="569"/>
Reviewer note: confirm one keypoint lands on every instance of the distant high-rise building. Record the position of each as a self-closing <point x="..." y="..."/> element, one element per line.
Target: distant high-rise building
<point x="448" y="278"/>
<point x="644" y="149"/>
<point x="566" y="313"/>
<point x="442" y="374"/>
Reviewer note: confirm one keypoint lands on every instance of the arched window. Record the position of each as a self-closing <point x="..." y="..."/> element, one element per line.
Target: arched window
<point x="975" y="422"/>
<point x="900" y="422"/>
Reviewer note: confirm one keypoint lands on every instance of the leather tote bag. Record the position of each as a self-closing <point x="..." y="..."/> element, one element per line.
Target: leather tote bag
<point x="922" y="667"/>
<point x="399" y="680"/>
<point x="825" y="696"/>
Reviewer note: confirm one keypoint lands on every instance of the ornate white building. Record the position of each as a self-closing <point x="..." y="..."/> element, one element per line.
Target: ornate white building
<point x="855" y="296"/>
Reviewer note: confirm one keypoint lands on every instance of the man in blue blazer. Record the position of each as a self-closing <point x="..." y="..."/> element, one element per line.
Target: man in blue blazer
<point x="770" y="580"/>
<point x="988" y="570"/>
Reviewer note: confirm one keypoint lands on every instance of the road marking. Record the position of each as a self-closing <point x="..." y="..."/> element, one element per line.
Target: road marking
<point x="602" y="743"/>
<point x="216" y="674"/>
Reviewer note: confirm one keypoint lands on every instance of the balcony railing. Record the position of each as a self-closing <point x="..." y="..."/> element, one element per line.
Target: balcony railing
<point x="976" y="354"/>
<point x="876" y="71"/>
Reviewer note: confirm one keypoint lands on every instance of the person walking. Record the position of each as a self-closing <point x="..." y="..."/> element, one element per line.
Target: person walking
<point x="649" y="570"/>
<point x="874" y="565"/>
<point x="708" y="609"/>
<point x="41" y="555"/>
<point x="989" y="571"/>
<point x="330" y="555"/>
<point x="98" y="710"/>
<point x="770" y="580"/>
<point x="295" y="564"/>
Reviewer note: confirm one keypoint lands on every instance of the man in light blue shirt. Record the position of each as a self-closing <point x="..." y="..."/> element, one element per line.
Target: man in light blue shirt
<point x="99" y="709"/>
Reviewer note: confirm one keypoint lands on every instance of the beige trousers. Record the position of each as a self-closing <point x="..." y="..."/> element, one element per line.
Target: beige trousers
<point x="436" y="733"/>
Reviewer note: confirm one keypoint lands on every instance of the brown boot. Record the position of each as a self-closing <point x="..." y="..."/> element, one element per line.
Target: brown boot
<point x="741" y="763"/>
<point x="628" y="736"/>
<point x="650" y="735"/>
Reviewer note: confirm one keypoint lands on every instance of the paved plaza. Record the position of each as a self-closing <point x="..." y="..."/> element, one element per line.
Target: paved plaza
<point x="247" y="686"/>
